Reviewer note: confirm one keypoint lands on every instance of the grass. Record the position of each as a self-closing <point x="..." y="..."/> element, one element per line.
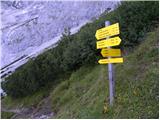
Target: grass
<point x="32" y="100"/>
<point x="83" y="94"/>
<point x="6" y="115"/>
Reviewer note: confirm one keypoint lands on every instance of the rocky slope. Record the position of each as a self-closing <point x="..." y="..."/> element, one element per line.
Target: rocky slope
<point x="30" y="27"/>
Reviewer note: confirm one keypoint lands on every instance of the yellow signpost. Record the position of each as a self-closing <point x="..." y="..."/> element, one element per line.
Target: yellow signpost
<point x="110" y="60"/>
<point x="107" y="52"/>
<point x="108" y="42"/>
<point x="107" y="31"/>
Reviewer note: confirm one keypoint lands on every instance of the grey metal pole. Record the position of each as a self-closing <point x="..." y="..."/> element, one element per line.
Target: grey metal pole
<point x="111" y="77"/>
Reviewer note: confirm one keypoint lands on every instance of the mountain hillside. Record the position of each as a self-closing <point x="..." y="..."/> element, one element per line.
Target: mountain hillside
<point x="30" y="27"/>
<point x="82" y="95"/>
<point x="66" y="81"/>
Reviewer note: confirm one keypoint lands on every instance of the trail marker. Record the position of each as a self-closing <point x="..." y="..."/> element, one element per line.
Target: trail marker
<point x="108" y="42"/>
<point x="106" y="52"/>
<point x="107" y="31"/>
<point x="111" y="60"/>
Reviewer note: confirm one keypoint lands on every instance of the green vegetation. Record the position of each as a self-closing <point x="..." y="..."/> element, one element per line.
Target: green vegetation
<point x="82" y="95"/>
<point x="137" y="86"/>
<point x="6" y="115"/>
<point x="28" y="101"/>
<point x="75" y="51"/>
<point x="136" y="18"/>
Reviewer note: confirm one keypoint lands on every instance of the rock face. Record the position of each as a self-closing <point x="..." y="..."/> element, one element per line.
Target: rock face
<point x="28" y="25"/>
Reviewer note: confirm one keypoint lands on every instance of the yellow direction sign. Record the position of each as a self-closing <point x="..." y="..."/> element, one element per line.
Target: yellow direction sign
<point x="109" y="52"/>
<point x="108" y="42"/>
<point x="107" y="31"/>
<point x="110" y="60"/>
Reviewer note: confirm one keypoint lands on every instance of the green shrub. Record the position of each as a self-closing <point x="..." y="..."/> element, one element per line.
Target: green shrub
<point x="135" y="19"/>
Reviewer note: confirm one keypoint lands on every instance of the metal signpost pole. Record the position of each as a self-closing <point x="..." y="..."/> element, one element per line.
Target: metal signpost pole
<point x="111" y="79"/>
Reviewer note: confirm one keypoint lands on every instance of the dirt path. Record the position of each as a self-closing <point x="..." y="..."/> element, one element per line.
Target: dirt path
<point x="42" y="111"/>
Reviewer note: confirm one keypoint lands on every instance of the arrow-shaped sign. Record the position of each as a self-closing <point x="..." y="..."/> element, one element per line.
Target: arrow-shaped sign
<point x="109" y="52"/>
<point x="108" y="42"/>
<point x="107" y="31"/>
<point x="110" y="60"/>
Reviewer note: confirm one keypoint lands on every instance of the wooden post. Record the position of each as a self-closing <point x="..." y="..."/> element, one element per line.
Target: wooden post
<point x="111" y="76"/>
